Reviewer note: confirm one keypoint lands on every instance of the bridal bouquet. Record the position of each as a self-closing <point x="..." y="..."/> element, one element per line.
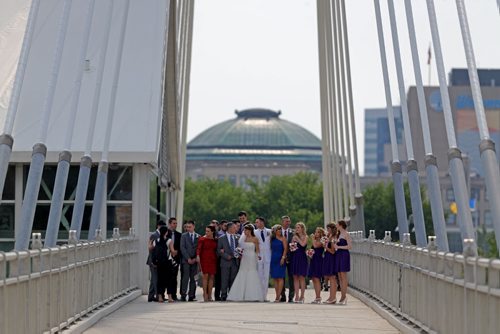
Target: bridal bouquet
<point x="238" y="252"/>
<point x="310" y="253"/>
<point x="293" y="246"/>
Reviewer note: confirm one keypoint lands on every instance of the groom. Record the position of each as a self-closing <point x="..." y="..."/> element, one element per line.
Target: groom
<point x="226" y="246"/>
<point x="264" y="235"/>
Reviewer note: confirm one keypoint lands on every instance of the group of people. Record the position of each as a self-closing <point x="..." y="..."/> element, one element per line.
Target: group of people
<point x="237" y="258"/>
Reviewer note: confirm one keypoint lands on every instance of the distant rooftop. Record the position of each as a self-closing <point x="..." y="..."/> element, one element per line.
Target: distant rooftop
<point x="256" y="128"/>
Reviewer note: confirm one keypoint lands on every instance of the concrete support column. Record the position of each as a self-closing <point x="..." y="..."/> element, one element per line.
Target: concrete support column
<point x="399" y="198"/>
<point x="57" y="199"/>
<point x="140" y="221"/>
<point x="416" y="203"/>
<point x="434" y="194"/>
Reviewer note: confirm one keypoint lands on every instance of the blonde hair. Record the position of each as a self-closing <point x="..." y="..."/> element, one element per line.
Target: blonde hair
<point x="321" y="230"/>
<point x="301" y="224"/>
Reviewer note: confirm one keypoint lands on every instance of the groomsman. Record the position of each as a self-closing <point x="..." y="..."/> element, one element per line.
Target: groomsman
<point x="226" y="246"/>
<point x="263" y="265"/>
<point x="189" y="242"/>
<point x="217" y="284"/>
<point x="288" y="234"/>
<point x="243" y="219"/>
<point x="153" y="279"/>
<point x="176" y="240"/>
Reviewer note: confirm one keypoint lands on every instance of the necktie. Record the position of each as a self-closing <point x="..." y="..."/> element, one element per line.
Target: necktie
<point x="232" y="243"/>
<point x="286" y="234"/>
<point x="192" y="237"/>
<point x="262" y="235"/>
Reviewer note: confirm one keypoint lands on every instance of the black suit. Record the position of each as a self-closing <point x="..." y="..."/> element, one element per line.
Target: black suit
<point x="177" y="258"/>
<point x="291" y="288"/>
<point x="152" y="269"/>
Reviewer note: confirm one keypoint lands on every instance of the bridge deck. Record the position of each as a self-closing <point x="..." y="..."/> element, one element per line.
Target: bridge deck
<point x="140" y="316"/>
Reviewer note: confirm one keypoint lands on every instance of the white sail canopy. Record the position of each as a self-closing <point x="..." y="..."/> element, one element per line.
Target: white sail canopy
<point x="136" y="124"/>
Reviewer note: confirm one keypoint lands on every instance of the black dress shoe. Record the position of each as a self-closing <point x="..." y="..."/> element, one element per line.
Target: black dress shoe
<point x="192" y="299"/>
<point x="183" y="299"/>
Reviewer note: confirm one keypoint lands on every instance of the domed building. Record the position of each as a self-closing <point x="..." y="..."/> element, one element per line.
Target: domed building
<point x="255" y="145"/>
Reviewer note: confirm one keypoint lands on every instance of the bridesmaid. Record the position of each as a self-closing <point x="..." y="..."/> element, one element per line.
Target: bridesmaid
<point x="316" y="264"/>
<point x="279" y="249"/>
<point x="343" y="259"/>
<point x="299" y="262"/>
<point x="206" y="254"/>
<point x="329" y="269"/>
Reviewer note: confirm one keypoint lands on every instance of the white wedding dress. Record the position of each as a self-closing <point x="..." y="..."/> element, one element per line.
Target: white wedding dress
<point x="246" y="286"/>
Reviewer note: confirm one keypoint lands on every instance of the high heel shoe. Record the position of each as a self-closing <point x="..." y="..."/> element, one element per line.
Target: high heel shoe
<point x="329" y="301"/>
<point x="316" y="301"/>
<point x="301" y="300"/>
<point x="343" y="302"/>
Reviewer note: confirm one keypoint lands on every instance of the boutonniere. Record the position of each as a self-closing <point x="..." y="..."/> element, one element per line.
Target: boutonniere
<point x="268" y="233"/>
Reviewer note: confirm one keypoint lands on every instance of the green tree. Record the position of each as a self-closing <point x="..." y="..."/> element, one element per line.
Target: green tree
<point x="487" y="245"/>
<point x="299" y="196"/>
<point x="380" y="209"/>
<point x="212" y="199"/>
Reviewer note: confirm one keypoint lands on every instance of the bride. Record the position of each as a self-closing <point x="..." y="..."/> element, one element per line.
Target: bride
<point x="246" y="285"/>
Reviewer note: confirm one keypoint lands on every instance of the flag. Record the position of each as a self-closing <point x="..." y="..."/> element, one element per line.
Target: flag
<point x="429" y="55"/>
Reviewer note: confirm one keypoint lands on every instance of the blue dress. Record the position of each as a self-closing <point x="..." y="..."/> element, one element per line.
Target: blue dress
<point x="329" y="268"/>
<point x="277" y="270"/>
<point x="342" y="257"/>
<point x="299" y="261"/>
<point x="316" y="264"/>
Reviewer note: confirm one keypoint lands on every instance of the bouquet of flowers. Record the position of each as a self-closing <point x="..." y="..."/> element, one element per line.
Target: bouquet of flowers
<point x="238" y="252"/>
<point x="310" y="253"/>
<point x="293" y="246"/>
<point x="324" y="241"/>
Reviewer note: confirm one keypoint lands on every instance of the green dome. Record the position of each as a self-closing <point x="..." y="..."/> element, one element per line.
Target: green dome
<point x="256" y="129"/>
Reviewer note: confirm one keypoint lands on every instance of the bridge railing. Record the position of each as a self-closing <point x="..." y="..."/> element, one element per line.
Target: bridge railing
<point x="443" y="292"/>
<point x="46" y="290"/>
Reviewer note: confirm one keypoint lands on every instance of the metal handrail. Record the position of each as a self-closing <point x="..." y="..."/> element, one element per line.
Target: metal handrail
<point x="46" y="290"/>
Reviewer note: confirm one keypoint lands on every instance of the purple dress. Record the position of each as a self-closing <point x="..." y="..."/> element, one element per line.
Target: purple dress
<point x="299" y="261"/>
<point x="316" y="264"/>
<point x="342" y="257"/>
<point x="329" y="268"/>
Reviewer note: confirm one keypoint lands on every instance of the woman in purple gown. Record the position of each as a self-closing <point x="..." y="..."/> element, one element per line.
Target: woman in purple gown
<point x="316" y="264"/>
<point x="329" y="269"/>
<point x="299" y="262"/>
<point x="343" y="259"/>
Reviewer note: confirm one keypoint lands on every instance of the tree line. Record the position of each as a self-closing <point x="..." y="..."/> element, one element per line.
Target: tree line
<point x="300" y="196"/>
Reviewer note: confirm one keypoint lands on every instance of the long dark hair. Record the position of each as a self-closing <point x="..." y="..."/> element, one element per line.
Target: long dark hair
<point x="211" y="228"/>
<point x="250" y="228"/>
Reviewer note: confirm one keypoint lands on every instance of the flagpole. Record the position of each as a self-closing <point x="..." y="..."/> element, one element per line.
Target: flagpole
<point x="429" y="65"/>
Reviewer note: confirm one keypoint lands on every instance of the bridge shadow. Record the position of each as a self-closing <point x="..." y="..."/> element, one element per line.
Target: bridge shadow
<point x="140" y="316"/>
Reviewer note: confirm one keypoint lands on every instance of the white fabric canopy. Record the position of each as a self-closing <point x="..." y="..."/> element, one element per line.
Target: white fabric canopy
<point x="140" y="89"/>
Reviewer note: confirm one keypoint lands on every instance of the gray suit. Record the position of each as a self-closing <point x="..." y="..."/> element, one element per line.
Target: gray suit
<point x="228" y="263"/>
<point x="188" y="251"/>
